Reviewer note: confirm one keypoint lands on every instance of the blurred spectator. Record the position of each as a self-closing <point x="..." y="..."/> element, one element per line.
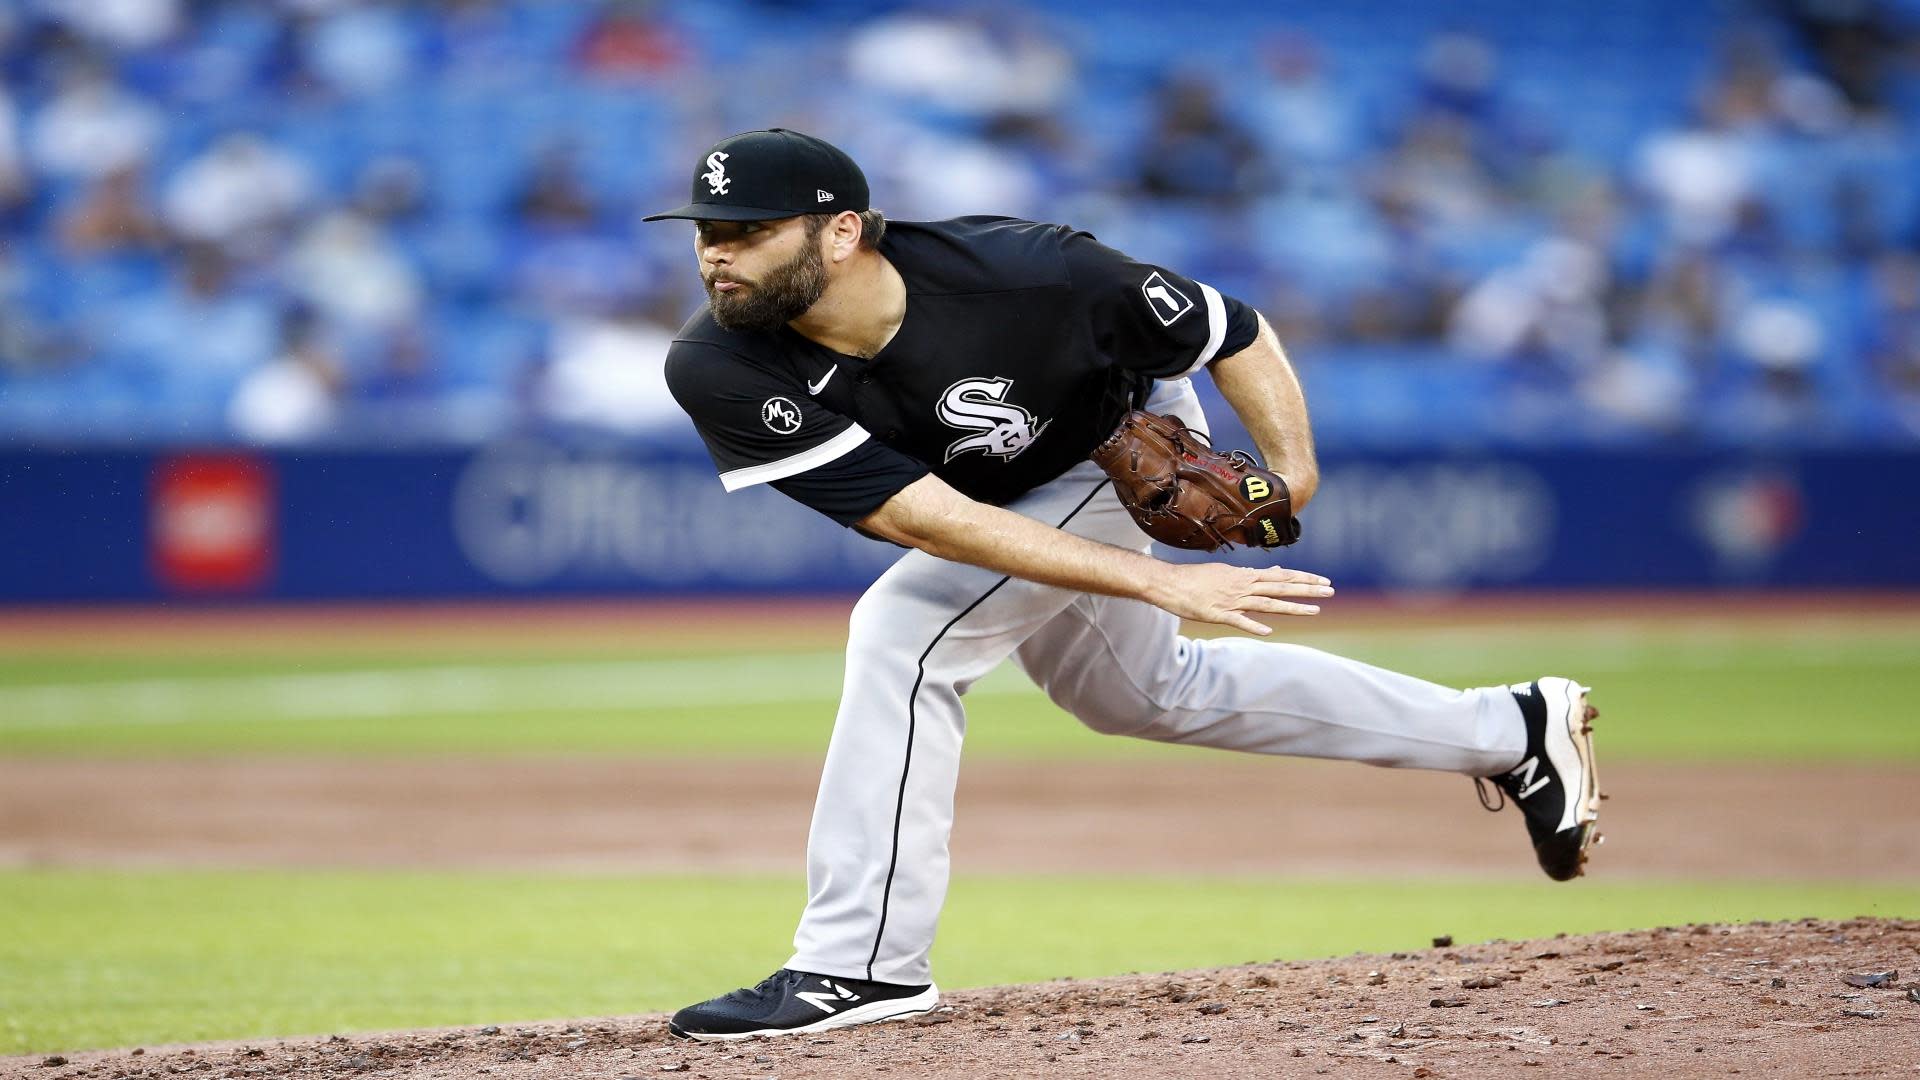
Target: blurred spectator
<point x="1740" y="97"/>
<point x="200" y="335"/>
<point x="610" y="371"/>
<point x="1860" y="230"/>
<point x="93" y="127"/>
<point x="121" y="25"/>
<point x="295" y="397"/>
<point x="1857" y="42"/>
<point x="1550" y="306"/>
<point x="554" y="195"/>
<point x="113" y="216"/>
<point x="391" y="190"/>
<point x="1302" y="116"/>
<point x="1435" y="174"/>
<point x="27" y="343"/>
<point x="628" y="40"/>
<point x="348" y="273"/>
<point x="16" y="187"/>
<point x="1458" y="75"/>
<point x="927" y="174"/>
<point x="476" y="44"/>
<point x="357" y="48"/>
<point x="1892" y="333"/>
<point x="1680" y="308"/>
<point x="1809" y="106"/>
<point x="1700" y="177"/>
<point x="1781" y="341"/>
<point x="981" y="62"/>
<point x="1194" y="151"/>
<point x="241" y="195"/>
<point x="1640" y="391"/>
<point x="403" y="370"/>
<point x="577" y="273"/>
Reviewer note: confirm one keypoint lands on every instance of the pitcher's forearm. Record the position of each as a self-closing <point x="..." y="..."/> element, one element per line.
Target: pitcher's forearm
<point x="940" y="521"/>
<point x="930" y="516"/>
<point x="1260" y="384"/>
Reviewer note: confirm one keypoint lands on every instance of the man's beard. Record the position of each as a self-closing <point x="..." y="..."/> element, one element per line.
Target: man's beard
<point x="782" y="295"/>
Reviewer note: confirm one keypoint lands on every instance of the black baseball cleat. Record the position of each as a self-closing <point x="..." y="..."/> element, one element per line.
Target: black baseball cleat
<point x="1555" y="785"/>
<point x="796" y="1002"/>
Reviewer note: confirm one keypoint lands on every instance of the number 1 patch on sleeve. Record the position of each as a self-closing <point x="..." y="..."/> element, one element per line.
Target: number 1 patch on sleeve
<point x="1167" y="302"/>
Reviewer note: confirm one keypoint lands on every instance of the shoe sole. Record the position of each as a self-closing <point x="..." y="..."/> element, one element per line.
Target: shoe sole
<point x="871" y="1013"/>
<point x="1570" y="748"/>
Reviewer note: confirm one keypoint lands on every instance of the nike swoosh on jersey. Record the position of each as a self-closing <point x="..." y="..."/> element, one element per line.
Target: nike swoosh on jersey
<point x="815" y="388"/>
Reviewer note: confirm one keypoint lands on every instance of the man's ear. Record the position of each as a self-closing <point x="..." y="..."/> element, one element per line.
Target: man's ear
<point x="843" y="235"/>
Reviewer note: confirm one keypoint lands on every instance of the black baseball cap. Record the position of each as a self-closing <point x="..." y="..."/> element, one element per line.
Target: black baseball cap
<point x="776" y="173"/>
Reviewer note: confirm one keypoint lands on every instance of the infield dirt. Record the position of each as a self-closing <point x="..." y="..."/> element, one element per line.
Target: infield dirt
<point x="1210" y="814"/>
<point x="1757" y="999"/>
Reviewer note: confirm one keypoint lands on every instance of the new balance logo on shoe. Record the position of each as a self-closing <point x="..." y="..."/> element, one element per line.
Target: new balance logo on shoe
<point x="825" y="1002"/>
<point x="1530" y="783"/>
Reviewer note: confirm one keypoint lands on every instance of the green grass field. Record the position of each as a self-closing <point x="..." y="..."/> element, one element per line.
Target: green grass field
<point x="1677" y="693"/>
<point x="101" y="959"/>
<point x="98" y="958"/>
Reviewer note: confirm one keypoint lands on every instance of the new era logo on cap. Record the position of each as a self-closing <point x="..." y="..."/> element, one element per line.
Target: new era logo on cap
<point x="776" y="173"/>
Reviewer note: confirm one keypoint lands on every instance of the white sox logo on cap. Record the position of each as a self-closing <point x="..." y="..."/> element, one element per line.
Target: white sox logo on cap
<point x="788" y="173"/>
<point x="716" y="174"/>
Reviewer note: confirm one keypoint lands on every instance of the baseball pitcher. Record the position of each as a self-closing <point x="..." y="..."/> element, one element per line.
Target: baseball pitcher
<point x="1011" y="401"/>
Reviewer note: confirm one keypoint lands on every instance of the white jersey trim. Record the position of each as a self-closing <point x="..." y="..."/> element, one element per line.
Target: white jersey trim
<point x="1216" y="327"/>
<point x="833" y="448"/>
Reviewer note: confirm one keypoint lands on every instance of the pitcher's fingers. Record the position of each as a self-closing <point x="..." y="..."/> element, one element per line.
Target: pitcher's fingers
<point x="1274" y="606"/>
<point x="1290" y="588"/>
<point x="1241" y="622"/>
<point x="1281" y="573"/>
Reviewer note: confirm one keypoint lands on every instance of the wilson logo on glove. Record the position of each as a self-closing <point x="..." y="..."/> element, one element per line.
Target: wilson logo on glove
<point x="1184" y="493"/>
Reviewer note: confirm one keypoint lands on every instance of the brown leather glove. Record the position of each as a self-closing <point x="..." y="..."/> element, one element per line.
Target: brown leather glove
<point x="1186" y="494"/>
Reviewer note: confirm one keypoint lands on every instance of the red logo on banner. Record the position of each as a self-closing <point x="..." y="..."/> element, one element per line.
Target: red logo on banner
<point x="213" y="528"/>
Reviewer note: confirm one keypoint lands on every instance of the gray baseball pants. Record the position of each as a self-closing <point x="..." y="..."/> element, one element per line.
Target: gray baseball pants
<point x="928" y="629"/>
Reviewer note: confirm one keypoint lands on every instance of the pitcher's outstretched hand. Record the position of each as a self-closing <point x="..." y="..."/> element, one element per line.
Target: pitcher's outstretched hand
<point x="1229" y="595"/>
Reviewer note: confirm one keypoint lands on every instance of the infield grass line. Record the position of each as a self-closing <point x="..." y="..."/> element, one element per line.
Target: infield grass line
<point x="468" y="689"/>
<point x="1682" y="692"/>
<point x="603" y="685"/>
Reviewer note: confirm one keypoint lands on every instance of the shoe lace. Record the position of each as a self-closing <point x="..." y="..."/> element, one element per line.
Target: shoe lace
<point x="1499" y="800"/>
<point x="768" y="985"/>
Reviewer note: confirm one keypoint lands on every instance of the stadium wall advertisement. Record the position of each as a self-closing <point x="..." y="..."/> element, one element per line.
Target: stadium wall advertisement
<point x="538" y="519"/>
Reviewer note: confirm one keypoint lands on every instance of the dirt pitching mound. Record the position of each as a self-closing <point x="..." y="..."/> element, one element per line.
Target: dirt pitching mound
<point x="1808" y="998"/>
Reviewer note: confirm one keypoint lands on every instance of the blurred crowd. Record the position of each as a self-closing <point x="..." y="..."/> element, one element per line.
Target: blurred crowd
<point x="399" y="220"/>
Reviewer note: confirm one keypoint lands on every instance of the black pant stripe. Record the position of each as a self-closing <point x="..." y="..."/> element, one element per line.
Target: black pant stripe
<point x="906" y="766"/>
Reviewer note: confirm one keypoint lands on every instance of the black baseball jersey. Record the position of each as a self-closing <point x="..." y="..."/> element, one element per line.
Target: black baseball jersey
<point x="1022" y="347"/>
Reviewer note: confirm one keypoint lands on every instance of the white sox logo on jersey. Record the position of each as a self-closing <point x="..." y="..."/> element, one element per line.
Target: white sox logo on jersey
<point x="1167" y="302"/>
<point x="981" y="405"/>
<point x="716" y="174"/>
